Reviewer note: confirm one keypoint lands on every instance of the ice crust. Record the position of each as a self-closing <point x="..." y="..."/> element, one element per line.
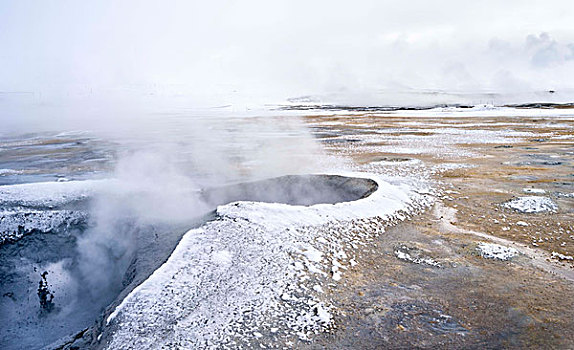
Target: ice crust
<point x="257" y="261"/>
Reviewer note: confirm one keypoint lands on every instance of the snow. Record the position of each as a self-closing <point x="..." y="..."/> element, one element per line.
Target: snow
<point x="496" y="251"/>
<point x="226" y="276"/>
<point x="559" y="256"/>
<point x="313" y="254"/>
<point x="323" y="314"/>
<point x="222" y="257"/>
<point x="532" y="204"/>
<point x="534" y="190"/>
<point x="25" y="208"/>
<point x="15" y="224"/>
<point x="403" y="254"/>
<point x="436" y="142"/>
<point x="46" y="194"/>
<point x="9" y="172"/>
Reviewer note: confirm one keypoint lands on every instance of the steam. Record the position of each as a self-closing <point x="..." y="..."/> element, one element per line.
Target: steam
<point x="183" y="89"/>
<point x="161" y="172"/>
<point x="148" y="190"/>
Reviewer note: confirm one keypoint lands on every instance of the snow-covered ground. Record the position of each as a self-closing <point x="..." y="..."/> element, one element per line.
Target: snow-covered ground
<point x="255" y="275"/>
<point x="25" y="208"/>
<point x="49" y="194"/>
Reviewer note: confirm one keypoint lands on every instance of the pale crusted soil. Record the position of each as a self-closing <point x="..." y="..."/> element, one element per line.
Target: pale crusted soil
<point x="470" y="301"/>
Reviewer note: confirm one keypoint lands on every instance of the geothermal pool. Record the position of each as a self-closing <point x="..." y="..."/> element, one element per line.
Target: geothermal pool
<point x="49" y="293"/>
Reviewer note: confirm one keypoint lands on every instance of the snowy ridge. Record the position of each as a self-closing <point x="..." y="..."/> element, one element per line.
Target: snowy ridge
<point x="25" y="208"/>
<point x="49" y="194"/>
<point x="15" y="224"/>
<point x="255" y="276"/>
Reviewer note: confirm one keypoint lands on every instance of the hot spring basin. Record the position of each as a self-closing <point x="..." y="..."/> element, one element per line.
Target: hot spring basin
<point x="25" y="324"/>
<point x="294" y="190"/>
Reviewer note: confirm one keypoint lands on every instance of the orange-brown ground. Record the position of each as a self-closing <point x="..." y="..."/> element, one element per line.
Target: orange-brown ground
<point x="470" y="302"/>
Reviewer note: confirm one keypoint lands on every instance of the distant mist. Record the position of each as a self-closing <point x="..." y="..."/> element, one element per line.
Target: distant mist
<point x="70" y="62"/>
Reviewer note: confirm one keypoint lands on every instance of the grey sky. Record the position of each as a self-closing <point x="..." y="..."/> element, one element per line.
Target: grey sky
<point x="277" y="49"/>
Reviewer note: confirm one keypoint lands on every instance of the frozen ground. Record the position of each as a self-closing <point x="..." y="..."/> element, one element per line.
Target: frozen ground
<point x="277" y="275"/>
<point x="254" y="275"/>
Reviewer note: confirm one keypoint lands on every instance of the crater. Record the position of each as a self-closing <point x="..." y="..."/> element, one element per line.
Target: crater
<point x="294" y="190"/>
<point x="45" y="299"/>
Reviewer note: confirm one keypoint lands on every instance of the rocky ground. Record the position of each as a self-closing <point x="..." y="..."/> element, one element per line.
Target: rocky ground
<point x="489" y="266"/>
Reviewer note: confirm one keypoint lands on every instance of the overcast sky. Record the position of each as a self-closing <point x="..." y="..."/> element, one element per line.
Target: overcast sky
<point x="269" y="50"/>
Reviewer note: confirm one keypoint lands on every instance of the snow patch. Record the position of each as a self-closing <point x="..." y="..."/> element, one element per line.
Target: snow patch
<point x="414" y="255"/>
<point x="496" y="251"/>
<point x="559" y="256"/>
<point x="313" y="254"/>
<point x="532" y="204"/>
<point x="534" y="190"/>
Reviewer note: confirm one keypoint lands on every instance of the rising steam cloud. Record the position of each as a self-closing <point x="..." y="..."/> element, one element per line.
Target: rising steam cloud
<point x="154" y="74"/>
<point x="159" y="177"/>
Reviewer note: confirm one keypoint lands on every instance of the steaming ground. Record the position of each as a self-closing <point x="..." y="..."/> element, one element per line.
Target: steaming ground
<point x="261" y="269"/>
<point x="101" y="237"/>
<point x="98" y="239"/>
<point x="488" y="266"/>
